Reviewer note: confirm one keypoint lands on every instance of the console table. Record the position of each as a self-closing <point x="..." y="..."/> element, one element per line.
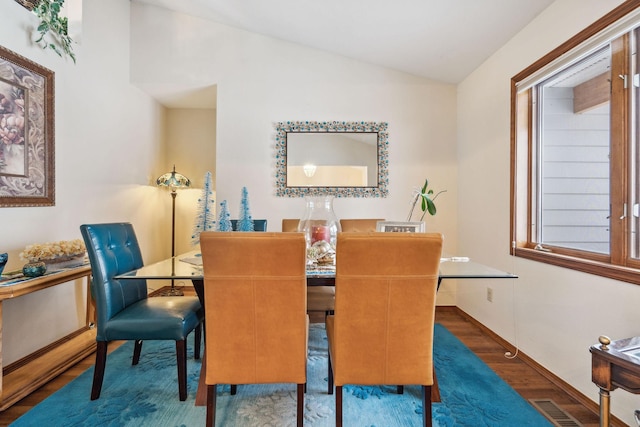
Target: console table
<point x="29" y="373"/>
<point x="615" y="364"/>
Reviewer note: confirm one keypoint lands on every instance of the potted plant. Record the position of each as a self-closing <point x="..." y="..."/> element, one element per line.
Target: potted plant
<point x="425" y="195"/>
<point x="53" y="27"/>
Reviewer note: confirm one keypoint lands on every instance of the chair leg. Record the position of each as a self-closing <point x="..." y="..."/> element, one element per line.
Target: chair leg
<point x="137" y="349"/>
<point x="211" y="406"/>
<point x="338" y="406"/>
<point x="426" y="406"/>
<point x="181" y="353"/>
<point x="330" y="376"/>
<point x="300" y="405"/>
<point x="98" y="373"/>
<point x="197" y="338"/>
<point x="400" y="389"/>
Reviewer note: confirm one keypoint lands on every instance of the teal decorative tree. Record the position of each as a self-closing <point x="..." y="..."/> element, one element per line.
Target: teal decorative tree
<point x="224" y="223"/>
<point x="245" y="223"/>
<point x="205" y="215"/>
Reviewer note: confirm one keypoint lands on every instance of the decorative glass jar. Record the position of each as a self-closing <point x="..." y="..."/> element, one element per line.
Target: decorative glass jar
<point x="320" y="227"/>
<point x="62" y="262"/>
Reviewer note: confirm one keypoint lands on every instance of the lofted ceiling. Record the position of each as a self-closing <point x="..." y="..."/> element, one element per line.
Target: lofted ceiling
<point x="444" y="40"/>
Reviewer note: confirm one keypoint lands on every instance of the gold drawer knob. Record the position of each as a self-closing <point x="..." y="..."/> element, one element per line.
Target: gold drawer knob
<point x="604" y="342"/>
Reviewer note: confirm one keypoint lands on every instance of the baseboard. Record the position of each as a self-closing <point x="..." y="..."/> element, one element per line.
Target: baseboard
<point x="34" y="371"/>
<point x="563" y="385"/>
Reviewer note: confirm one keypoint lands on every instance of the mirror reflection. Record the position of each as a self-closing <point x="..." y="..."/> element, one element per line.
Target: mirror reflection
<point x="332" y="159"/>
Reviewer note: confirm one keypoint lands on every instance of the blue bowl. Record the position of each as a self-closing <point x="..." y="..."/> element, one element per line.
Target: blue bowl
<point x="3" y="261"/>
<point x="34" y="269"/>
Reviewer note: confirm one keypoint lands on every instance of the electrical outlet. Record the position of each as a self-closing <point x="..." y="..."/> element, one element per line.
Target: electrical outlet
<point x="490" y="294"/>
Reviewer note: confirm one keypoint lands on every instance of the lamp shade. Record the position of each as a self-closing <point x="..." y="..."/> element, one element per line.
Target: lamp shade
<point x="173" y="180"/>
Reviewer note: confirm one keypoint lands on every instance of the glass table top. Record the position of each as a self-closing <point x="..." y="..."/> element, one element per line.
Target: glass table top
<point x="463" y="268"/>
<point x="189" y="266"/>
<point x="185" y="266"/>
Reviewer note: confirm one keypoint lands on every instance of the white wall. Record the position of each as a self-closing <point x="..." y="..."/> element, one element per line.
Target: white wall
<point x="107" y="134"/>
<point x="261" y="81"/>
<point x="553" y="314"/>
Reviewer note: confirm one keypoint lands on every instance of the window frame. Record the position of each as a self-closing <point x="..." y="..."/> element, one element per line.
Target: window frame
<point x="617" y="264"/>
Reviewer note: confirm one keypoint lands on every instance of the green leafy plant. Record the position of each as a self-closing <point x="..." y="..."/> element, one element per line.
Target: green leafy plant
<point x="54" y="28"/>
<point x="425" y="195"/>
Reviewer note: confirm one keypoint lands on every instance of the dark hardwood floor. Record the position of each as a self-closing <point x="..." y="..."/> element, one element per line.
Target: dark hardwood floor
<point x="523" y="378"/>
<point x="526" y="380"/>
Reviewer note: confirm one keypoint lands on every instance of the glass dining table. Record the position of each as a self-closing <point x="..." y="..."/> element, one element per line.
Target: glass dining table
<point x="188" y="266"/>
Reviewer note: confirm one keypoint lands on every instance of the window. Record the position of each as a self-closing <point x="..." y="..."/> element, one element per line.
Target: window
<point x="575" y="157"/>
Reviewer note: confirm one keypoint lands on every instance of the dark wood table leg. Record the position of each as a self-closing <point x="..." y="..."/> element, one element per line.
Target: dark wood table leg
<point x="201" y="394"/>
<point x="435" y="390"/>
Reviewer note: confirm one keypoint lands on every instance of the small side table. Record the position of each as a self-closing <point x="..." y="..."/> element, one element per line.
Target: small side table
<point x="615" y="364"/>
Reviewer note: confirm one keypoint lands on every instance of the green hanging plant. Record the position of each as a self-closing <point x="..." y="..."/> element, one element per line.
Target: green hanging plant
<point x="427" y="200"/>
<point x="53" y="28"/>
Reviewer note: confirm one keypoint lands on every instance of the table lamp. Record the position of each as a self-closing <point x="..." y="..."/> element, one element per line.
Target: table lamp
<point x="173" y="180"/>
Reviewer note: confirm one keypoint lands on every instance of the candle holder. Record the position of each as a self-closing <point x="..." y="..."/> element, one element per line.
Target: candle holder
<point x="320" y="227"/>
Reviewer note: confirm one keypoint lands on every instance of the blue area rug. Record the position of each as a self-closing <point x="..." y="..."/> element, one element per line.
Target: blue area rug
<point x="147" y="394"/>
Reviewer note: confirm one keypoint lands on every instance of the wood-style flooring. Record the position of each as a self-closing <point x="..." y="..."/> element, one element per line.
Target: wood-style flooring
<point x="522" y="377"/>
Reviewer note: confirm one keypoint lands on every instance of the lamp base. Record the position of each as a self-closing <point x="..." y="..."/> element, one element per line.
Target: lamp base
<point x="173" y="292"/>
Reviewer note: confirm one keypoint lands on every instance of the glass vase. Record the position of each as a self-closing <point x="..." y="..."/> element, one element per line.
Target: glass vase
<point x="320" y="227"/>
<point x="64" y="262"/>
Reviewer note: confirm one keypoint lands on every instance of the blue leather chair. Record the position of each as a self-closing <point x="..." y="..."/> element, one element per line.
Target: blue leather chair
<point x="123" y="310"/>
<point x="258" y="225"/>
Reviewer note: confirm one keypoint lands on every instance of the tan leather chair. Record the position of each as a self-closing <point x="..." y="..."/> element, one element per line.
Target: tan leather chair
<point x="290" y="224"/>
<point x="319" y="298"/>
<point x="382" y="329"/>
<point x="248" y="341"/>
<point x="359" y="224"/>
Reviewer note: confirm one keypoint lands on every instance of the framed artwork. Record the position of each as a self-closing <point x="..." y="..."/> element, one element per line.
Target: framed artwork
<point x="400" y="227"/>
<point x="27" y="161"/>
<point x="28" y="4"/>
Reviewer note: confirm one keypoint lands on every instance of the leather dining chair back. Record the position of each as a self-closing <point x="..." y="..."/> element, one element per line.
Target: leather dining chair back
<point x="258" y="225"/>
<point x="361" y="225"/>
<point x="290" y="224"/>
<point x="382" y="329"/>
<point x="255" y="309"/>
<point x="123" y="310"/>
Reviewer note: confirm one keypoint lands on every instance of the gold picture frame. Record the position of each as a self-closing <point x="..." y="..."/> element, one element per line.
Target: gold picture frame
<point x="27" y="160"/>
<point x="28" y="4"/>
